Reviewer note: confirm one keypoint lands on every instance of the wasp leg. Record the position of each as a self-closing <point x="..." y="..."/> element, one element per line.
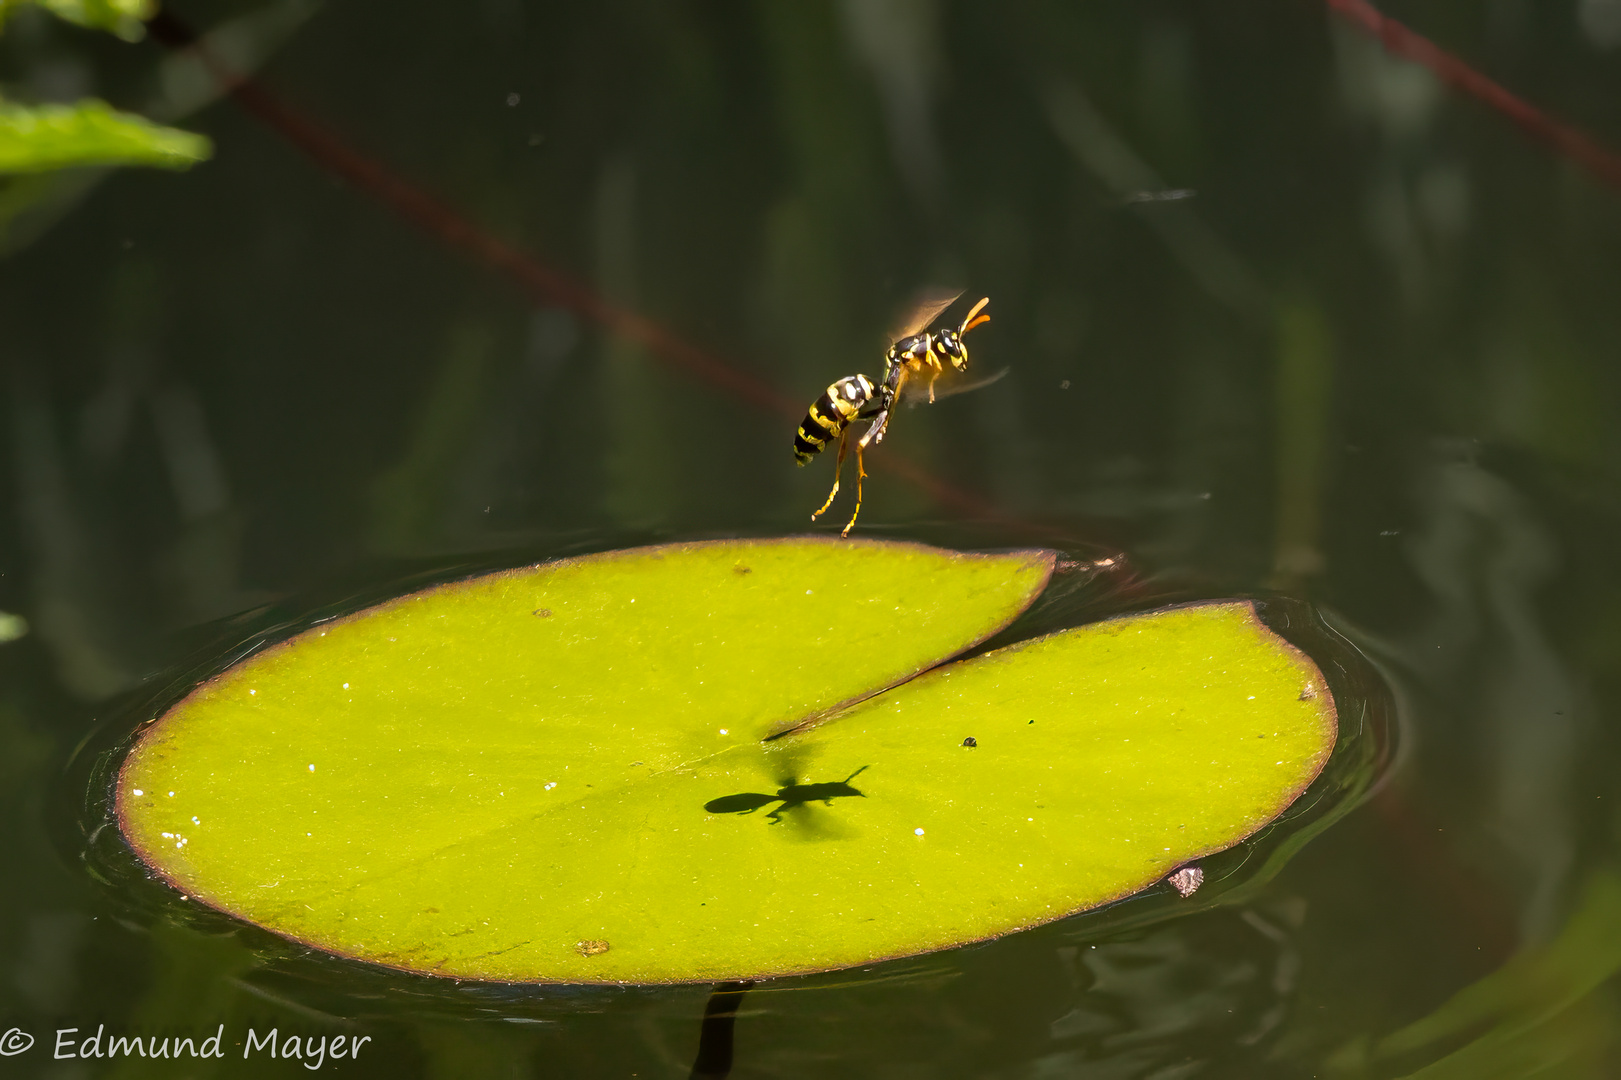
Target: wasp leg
<point x="875" y="433"/>
<point x="935" y="371"/>
<point x="861" y="474"/>
<point x="838" y="468"/>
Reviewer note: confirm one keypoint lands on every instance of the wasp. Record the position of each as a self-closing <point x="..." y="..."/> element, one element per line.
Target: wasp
<point x="914" y="353"/>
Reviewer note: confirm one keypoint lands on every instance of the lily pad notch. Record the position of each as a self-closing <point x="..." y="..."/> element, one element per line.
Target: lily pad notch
<point x="599" y="770"/>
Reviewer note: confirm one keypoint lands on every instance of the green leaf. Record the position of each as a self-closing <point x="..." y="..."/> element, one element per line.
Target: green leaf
<point x="43" y="137"/>
<point x="121" y="17"/>
<point x="567" y="772"/>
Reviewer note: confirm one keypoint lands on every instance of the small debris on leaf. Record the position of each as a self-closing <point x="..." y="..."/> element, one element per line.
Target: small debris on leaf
<point x="591" y="948"/>
<point x="1187" y="880"/>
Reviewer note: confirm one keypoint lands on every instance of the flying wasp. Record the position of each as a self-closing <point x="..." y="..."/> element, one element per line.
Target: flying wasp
<point x="914" y="353"/>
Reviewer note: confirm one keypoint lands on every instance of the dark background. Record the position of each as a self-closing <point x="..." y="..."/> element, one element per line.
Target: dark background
<point x="1280" y="312"/>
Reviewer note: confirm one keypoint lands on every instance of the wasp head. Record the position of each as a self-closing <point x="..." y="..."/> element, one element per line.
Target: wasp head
<point x="950" y="341"/>
<point x="949" y="344"/>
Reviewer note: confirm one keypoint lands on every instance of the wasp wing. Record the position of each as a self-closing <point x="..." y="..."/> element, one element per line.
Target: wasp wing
<point x="968" y="385"/>
<point x="924" y="310"/>
<point x="916" y="392"/>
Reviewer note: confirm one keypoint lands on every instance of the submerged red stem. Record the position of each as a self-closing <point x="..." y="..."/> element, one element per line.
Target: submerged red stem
<point x="1562" y="138"/>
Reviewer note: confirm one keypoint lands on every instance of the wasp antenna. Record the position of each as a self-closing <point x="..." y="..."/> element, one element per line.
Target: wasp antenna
<point x="974" y="318"/>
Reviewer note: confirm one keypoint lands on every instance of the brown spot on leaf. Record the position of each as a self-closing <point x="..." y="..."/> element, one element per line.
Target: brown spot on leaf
<point x="591" y="948"/>
<point x="742" y="570"/>
<point x="544" y="613"/>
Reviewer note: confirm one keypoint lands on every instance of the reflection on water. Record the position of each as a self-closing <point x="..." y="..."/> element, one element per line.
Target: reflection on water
<point x="1366" y="361"/>
<point x="1206" y="995"/>
<point x="1157" y="1006"/>
<point x="1484" y="652"/>
<point x="1545" y="1012"/>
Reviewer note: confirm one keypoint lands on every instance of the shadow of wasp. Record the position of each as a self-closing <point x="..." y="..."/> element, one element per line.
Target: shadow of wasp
<point x="792" y="795"/>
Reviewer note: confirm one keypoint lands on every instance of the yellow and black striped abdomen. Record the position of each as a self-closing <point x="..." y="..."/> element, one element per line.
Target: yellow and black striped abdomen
<point x="830" y="415"/>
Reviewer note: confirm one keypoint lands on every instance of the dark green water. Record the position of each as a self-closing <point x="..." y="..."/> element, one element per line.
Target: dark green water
<point x="1281" y="315"/>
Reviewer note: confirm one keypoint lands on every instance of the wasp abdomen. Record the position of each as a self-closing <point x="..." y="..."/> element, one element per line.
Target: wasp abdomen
<point x="830" y="415"/>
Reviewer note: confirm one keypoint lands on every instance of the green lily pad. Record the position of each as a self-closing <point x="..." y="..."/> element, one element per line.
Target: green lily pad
<point x="578" y="772"/>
